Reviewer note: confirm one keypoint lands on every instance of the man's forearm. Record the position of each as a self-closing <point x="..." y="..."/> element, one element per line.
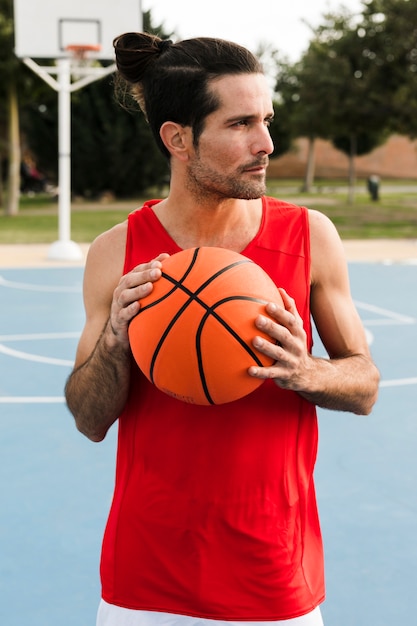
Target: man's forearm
<point x="346" y="384"/>
<point x="96" y="391"/>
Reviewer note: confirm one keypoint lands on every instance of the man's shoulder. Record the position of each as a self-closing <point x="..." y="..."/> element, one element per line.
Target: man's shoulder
<point x="283" y="205"/>
<point x="113" y="236"/>
<point x="108" y="249"/>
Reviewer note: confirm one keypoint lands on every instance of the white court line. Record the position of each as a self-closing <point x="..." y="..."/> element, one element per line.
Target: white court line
<point x="61" y="400"/>
<point x="389" y="322"/>
<point x="369" y="337"/>
<point x="34" y="357"/>
<point x="399" y="382"/>
<point x="32" y="400"/>
<point x="18" y="354"/>
<point x="30" y="287"/>
<point x="40" y="336"/>
<point x="394" y="318"/>
<point x="391" y="318"/>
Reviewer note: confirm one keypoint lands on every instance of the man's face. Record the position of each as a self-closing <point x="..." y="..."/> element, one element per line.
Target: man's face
<point x="232" y="154"/>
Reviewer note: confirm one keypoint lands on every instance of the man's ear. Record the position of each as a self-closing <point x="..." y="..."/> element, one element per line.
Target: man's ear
<point x="177" y="139"/>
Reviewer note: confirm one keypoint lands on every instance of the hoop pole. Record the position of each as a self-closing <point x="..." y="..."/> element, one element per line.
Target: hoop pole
<point x="64" y="248"/>
<point x="94" y="73"/>
<point x="43" y="72"/>
<point x="64" y="148"/>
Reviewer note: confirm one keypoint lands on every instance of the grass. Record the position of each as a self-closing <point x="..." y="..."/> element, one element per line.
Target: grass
<point x="37" y="221"/>
<point x="394" y="216"/>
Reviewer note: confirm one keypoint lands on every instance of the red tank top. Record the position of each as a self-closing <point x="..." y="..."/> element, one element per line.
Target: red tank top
<point x="214" y="511"/>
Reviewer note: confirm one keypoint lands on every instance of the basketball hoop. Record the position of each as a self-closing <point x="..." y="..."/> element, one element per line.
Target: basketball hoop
<point x="79" y="52"/>
<point x="81" y="61"/>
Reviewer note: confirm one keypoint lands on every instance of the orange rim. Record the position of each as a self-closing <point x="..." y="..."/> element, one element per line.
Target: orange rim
<point x="80" y="50"/>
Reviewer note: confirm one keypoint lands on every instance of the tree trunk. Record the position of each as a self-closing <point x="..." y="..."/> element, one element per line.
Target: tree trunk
<point x="13" y="183"/>
<point x="352" y="172"/>
<point x="1" y="182"/>
<point x="310" y="169"/>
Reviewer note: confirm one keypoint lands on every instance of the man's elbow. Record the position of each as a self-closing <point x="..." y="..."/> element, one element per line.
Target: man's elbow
<point x="93" y="434"/>
<point x="369" y="399"/>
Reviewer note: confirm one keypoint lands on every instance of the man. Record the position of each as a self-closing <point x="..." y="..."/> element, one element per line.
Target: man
<point x="214" y="513"/>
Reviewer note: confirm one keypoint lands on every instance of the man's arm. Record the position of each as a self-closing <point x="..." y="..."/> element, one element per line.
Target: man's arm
<point x="348" y="379"/>
<point x="97" y="389"/>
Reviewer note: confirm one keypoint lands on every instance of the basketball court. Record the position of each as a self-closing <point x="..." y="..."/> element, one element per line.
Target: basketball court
<point x="57" y="485"/>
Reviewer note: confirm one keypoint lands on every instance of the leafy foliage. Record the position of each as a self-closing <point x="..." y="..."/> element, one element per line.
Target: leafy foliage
<point x="118" y="152"/>
<point x="112" y="148"/>
<point x="8" y="62"/>
<point x="356" y="83"/>
<point x="13" y="70"/>
<point x="389" y="32"/>
<point x="280" y="130"/>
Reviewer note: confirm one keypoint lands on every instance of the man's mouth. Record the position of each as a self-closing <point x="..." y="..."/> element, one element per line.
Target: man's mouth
<point x="259" y="166"/>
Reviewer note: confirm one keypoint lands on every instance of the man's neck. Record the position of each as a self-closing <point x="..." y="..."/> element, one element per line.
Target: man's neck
<point x="230" y="224"/>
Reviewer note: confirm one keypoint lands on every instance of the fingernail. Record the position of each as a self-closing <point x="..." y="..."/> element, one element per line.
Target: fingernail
<point x="258" y="342"/>
<point x="261" y="321"/>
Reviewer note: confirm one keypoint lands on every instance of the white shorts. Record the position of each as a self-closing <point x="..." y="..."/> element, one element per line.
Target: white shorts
<point x="111" y="615"/>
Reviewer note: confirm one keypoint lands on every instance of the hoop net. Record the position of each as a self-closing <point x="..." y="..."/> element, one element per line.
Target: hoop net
<point x="80" y="52"/>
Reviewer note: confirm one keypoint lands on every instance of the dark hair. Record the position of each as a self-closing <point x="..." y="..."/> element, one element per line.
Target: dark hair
<point x="170" y="80"/>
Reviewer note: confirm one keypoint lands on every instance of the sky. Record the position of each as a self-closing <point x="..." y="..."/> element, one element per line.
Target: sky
<point x="247" y="22"/>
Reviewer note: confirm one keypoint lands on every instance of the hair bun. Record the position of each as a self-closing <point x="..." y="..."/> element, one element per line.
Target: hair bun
<point x="164" y="44"/>
<point x="135" y="52"/>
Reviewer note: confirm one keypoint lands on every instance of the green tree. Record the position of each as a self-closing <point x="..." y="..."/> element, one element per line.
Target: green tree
<point x="280" y="128"/>
<point x="112" y="148"/>
<point x="118" y="152"/>
<point x="334" y="91"/>
<point x="18" y="86"/>
<point x="359" y="119"/>
<point x="306" y="89"/>
<point x="389" y="32"/>
<point x="9" y="112"/>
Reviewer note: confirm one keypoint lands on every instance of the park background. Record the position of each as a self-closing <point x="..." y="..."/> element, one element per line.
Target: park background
<point x="346" y="111"/>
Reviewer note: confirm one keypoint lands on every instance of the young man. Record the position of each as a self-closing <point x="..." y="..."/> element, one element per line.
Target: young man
<point x="214" y="513"/>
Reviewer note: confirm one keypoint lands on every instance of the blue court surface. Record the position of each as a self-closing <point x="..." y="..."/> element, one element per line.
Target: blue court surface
<point x="56" y="486"/>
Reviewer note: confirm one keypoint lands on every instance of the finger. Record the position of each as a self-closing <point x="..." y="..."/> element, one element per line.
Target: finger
<point x="134" y="286"/>
<point x="141" y="275"/>
<point x="274" y="328"/>
<point x="163" y="256"/>
<point x="268" y="348"/>
<point x="128" y="299"/>
<point x="153" y="263"/>
<point x="263" y="373"/>
<point x="290" y="304"/>
<point x="288" y="317"/>
<point x="287" y="300"/>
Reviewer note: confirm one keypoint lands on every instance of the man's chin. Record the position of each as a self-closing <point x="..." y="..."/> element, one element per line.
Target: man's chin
<point x="253" y="193"/>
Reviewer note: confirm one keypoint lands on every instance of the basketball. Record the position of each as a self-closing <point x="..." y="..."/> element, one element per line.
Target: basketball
<point x="193" y="335"/>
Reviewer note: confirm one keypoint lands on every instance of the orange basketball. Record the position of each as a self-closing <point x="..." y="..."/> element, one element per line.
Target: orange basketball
<point x="193" y="334"/>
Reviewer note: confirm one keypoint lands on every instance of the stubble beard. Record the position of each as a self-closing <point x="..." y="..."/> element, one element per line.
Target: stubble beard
<point x="206" y="184"/>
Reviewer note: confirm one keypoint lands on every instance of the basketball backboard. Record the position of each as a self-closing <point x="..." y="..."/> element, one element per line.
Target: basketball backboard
<point x="44" y="28"/>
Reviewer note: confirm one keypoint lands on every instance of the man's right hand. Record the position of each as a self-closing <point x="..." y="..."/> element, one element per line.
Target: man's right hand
<point x="126" y="298"/>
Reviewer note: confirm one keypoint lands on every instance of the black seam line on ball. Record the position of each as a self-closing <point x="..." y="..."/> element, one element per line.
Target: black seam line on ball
<point x="192" y="298"/>
<point x="244" y="345"/>
<point x="176" y="284"/>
